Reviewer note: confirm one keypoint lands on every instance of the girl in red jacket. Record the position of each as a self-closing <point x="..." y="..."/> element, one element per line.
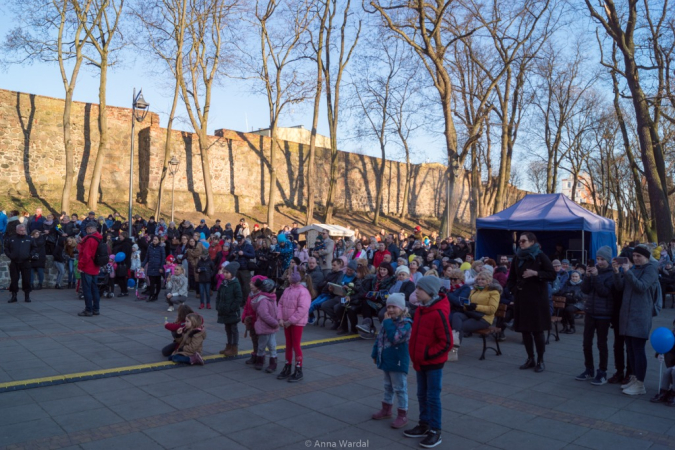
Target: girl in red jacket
<point x="430" y="342"/>
<point x="249" y="317"/>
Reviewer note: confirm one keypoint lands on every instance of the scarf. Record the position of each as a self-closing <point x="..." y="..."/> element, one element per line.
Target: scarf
<point x="574" y="284"/>
<point x="529" y="253"/>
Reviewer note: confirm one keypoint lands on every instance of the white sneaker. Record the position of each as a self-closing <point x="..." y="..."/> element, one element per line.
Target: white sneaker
<point x="632" y="381"/>
<point x="170" y="309"/>
<point x="638" y="388"/>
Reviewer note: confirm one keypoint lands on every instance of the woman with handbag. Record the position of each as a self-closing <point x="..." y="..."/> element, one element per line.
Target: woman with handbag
<point x="479" y="313"/>
<point x="531" y="271"/>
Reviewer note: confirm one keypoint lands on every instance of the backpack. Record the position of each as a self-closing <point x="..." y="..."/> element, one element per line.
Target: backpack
<point x="101" y="257"/>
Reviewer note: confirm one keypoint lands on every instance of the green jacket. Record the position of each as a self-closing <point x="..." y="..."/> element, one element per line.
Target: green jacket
<point x="229" y="301"/>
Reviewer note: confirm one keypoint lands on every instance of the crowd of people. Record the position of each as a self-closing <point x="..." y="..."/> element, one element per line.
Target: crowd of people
<point x="418" y="296"/>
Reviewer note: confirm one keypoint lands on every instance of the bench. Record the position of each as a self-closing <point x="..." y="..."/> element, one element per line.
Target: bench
<point x="492" y="331"/>
<point x="559" y="304"/>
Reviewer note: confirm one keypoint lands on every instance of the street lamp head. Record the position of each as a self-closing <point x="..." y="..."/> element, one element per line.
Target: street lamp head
<point x="174" y="161"/>
<point x="141" y="107"/>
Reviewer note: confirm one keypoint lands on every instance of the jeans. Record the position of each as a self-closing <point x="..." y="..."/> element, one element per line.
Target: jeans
<point x="71" y="271"/>
<point x="232" y="332"/>
<point x="269" y="341"/>
<point x="316" y="303"/>
<point x="180" y="359"/>
<point x="396" y="383"/>
<point x="205" y="293"/>
<point x="668" y="379"/>
<point x="61" y="269"/>
<point x="462" y="323"/>
<point x="591" y="326"/>
<point x="429" y="384"/>
<point x="40" y="274"/>
<point x="637" y="358"/>
<point x="92" y="297"/>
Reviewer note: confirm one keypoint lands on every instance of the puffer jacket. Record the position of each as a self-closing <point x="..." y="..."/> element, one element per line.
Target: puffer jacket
<point x="265" y="306"/>
<point x="191" y="343"/>
<point x="179" y="285"/>
<point x="486" y="301"/>
<point x="431" y="337"/>
<point x="390" y="350"/>
<point x="573" y="293"/>
<point x="464" y="291"/>
<point x="293" y="306"/>
<point x="154" y="258"/>
<point x="639" y="286"/>
<point x="205" y="269"/>
<point x="229" y="301"/>
<point x="19" y="249"/>
<point x="599" y="292"/>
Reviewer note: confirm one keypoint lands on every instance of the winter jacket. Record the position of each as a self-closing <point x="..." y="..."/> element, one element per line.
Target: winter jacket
<point x="205" y="269"/>
<point x="191" y="343"/>
<point x="293" y="306"/>
<point x="326" y="254"/>
<point x="248" y="311"/>
<point x="58" y="250"/>
<point x="243" y="260"/>
<point x="85" y="262"/>
<point x="3" y="222"/>
<point x="264" y="305"/>
<point x="431" y="337"/>
<point x="179" y="286"/>
<point x="39" y="249"/>
<point x="123" y="246"/>
<point x="599" y="292"/>
<point x="229" y="301"/>
<point x="136" y="260"/>
<point x="390" y="350"/>
<point x="531" y="298"/>
<point x="154" y="258"/>
<point x="486" y="301"/>
<point x="379" y="257"/>
<point x="317" y="277"/>
<point x="203" y="229"/>
<point x="639" y="287"/>
<point x="35" y="223"/>
<point x="573" y="293"/>
<point x="454" y="297"/>
<point x="19" y="249"/>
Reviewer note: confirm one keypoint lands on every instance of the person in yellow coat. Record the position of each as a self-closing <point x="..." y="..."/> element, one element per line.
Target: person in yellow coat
<point x="479" y="312"/>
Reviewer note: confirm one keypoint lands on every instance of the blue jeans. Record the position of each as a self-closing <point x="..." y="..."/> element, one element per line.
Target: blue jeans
<point x="90" y="292"/>
<point x="429" y="384"/>
<point x="396" y="383"/>
<point x="205" y="293"/>
<point x="60" y="267"/>
<point x="317" y="302"/>
<point x="180" y="359"/>
<point x="71" y="271"/>
<point x="40" y="274"/>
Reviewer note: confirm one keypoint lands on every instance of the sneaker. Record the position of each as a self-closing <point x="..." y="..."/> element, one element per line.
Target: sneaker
<point x="432" y="440"/>
<point x="616" y="378"/>
<point x="586" y="375"/>
<point x="366" y="325"/>
<point x="419" y="431"/>
<point x="85" y="313"/>
<point x="600" y="378"/>
<point x="631" y="381"/>
<point x="170" y="309"/>
<point x="96" y="313"/>
<point x="637" y="388"/>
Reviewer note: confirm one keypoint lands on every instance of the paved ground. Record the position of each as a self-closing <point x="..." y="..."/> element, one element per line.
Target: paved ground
<point x="227" y="405"/>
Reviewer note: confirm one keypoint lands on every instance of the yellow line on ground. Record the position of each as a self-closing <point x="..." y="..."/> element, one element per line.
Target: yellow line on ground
<point x="74" y="376"/>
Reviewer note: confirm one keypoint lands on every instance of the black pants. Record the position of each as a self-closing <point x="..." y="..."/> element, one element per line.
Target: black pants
<point x="169" y="349"/>
<point x="122" y="283"/>
<point x="591" y="326"/>
<point x="533" y="339"/>
<point x="22" y="269"/>
<point x="330" y="308"/>
<point x="620" y="359"/>
<point x="244" y="277"/>
<point x="568" y="315"/>
<point x="637" y="356"/>
<point x="155" y="285"/>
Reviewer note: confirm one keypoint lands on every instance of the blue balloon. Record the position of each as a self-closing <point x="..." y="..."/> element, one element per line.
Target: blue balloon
<point x="131" y="283"/>
<point x="120" y="257"/>
<point x="662" y="340"/>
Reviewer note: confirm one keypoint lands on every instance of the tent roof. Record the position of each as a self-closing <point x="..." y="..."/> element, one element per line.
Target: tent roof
<point x="333" y="230"/>
<point x="546" y="212"/>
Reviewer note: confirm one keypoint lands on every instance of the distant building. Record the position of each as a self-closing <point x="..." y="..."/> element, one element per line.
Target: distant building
<point x="582" y="193"/>
<point x="297" y="134"/>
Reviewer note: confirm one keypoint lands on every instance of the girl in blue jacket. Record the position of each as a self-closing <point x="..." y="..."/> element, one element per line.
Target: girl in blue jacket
<point x="390" y="353"/>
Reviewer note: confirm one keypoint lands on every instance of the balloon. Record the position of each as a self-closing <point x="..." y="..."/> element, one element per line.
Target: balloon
<point x="120" y="257"/>
<point x="662" y="340"/>
<point x="131" y="283"/>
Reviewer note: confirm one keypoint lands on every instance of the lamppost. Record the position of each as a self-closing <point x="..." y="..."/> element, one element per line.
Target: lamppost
<point x="173" y="169"/>
<point x="139" y="109"/>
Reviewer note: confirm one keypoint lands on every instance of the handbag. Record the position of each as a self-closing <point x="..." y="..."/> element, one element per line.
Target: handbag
<point x="474" y="315"/>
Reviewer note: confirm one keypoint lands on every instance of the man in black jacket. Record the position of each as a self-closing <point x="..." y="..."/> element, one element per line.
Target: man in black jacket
<point x="18" y="249"/>
<point x="243" y="253"/>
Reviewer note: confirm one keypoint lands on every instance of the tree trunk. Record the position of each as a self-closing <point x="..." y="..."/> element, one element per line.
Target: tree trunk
<point x="408" y="176"/>
<point x="312" y="155"/>
<point x="451" y="144"/>
<point x="167" y="150"/>
<point x="273" y="177"/>
<point x="206" y="171"/>
<point x="333" y="176"/>
<point x="103" y="137"/>
<point x="379" y="186"/>
<point x="70" y="157"/>
<point x="474" y="198"/>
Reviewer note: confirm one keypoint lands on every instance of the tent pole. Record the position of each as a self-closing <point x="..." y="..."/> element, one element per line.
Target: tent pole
<point x="583" y="248"/>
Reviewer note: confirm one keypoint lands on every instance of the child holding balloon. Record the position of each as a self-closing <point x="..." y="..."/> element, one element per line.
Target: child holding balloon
<point x="661" y="340"/>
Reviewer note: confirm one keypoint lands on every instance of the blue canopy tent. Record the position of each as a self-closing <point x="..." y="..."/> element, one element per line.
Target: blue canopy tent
<point x="553" y="218"/>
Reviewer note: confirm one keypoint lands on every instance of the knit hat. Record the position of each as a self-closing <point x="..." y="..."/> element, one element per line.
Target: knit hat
<point x="267" y="285"/>
<point x="565" y="261"/>
<point x="353" y="265"/>
<point x="489" y="269"/>
<point x="295" y="276"/>
<point x="556" y="262"/>
<point x="232" y="268"/>
<point x="458" y="261"/>
<point x="257" y="280"/>
<point x="281" y="238"/>
<point x="642" y="251"/>
<point x="431" y="285"/>
<point x="397" y="299"/>
<point x="404" y="269"/>
<point x="605" y="253"/>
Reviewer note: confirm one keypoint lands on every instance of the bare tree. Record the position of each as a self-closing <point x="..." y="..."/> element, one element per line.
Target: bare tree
<point x="536" y="175"/>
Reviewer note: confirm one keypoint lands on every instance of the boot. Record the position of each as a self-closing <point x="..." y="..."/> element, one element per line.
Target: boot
<point x="383" y="413"/>
<point x="616" y="378"/>
<point x="285" y="373"/>
<point x="13" y="299"/>
<point x="234" y="351"/>
<point x="39" y="287"/>
<point x="660" y="397"/>
<point x="26" y="297"/>
<point x="528" y="364"/>
<point x="227" y="349"/>
<point x="259" y="362"/>
<point x="252" y="359"/>
<point x="540" y="365"/>
<point x="272" y="366"/>
<point x="401" y="419"/>
<point x="671" y="398"/>
<point x="297" y="375"/>
<point x="196" y="360"/>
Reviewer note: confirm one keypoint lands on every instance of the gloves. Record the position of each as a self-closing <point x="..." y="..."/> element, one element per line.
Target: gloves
<point x="470" y="307"/>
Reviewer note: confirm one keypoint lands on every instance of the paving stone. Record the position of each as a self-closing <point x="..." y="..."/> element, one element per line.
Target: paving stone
<point x="502" y="416"/>
<point x="136" y="410"/>
<point x="25" y="431"/>
<point x="602" y="440"/>
<point x="520" y="440"/>
<point x="585" y="407"/>
<point x="553" y="429"/>
<point x="85" y="420"/>
<point x="267" y="436"/>
<point x="131" y="440"/>
<point x="181" y="434"/>
<point x="70" y="405"/>
<point x="238" y="420"/>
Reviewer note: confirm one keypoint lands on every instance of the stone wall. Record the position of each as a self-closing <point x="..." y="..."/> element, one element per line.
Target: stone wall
<point x="50" y="274"/>
<point x="32" y="162"/>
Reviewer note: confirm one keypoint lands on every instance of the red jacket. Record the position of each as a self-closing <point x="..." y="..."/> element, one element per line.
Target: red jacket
<point x="85" y="262"/>
<point x="379" y="257"/>
<point x="431" y="337"/>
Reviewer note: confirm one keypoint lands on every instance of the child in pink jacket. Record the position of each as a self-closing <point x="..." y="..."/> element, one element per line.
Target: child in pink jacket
<point x="266" y="326"/>
<point x="292" y="311"/>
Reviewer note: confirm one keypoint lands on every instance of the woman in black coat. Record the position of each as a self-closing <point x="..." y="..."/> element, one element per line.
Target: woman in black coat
<point x="154" y="258"/>
<point x="123" y="244"/>
<point x="531" y="270"/>
<point x="38" y="265"/>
